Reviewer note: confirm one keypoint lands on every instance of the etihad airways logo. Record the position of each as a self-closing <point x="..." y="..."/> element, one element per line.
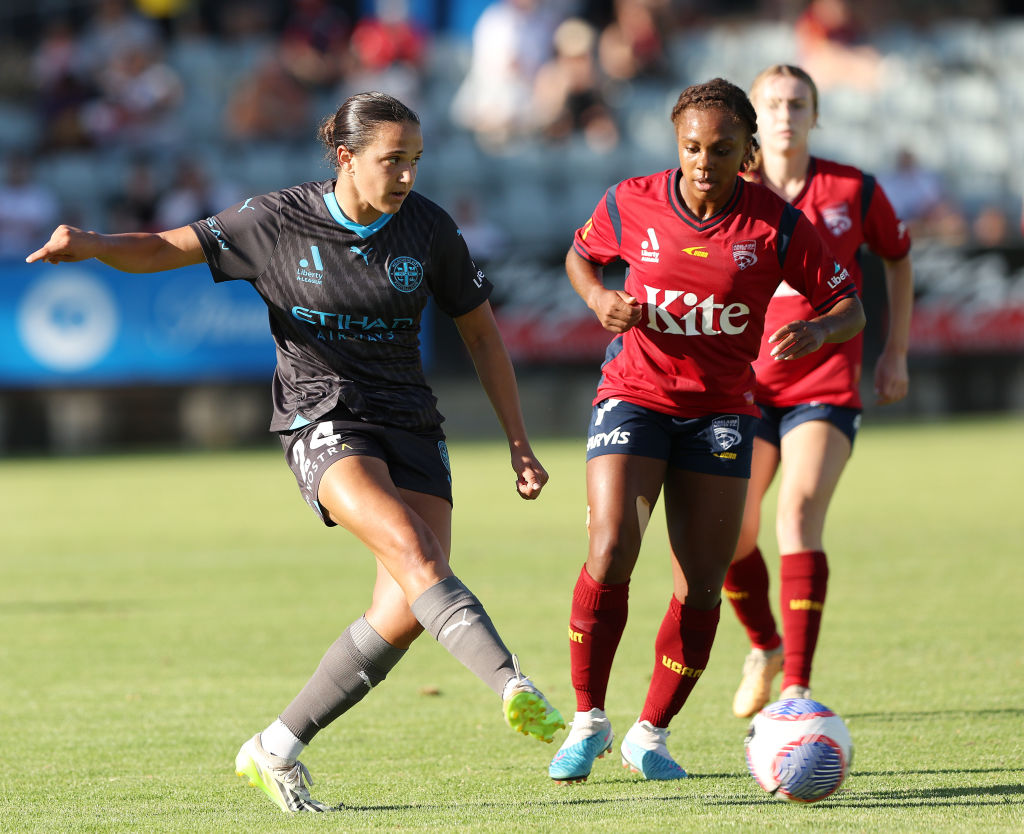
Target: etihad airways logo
<point x="682" y="313"/>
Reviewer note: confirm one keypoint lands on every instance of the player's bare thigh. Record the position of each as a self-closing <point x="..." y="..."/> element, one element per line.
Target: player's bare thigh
<point x="813" y="457"/>
<point x="360" y="496"/>
<point x="764" y="463"/>
<point x="389" y="613"/>
<point x="622" y="490"/>
<point x="704" y="513"/>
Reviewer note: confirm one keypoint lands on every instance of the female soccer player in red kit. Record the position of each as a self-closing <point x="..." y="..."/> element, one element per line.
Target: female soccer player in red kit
<point x="810" y="407"/>
<point x="675" y="405"/>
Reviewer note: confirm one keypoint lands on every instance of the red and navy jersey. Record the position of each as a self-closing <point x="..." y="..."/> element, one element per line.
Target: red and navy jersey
<point x="345" y="300"/>
<point x="849" y="209"/>
<point x="703" y="286"/>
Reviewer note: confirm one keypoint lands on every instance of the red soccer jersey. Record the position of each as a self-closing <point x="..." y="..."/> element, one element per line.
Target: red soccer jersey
<point x="849" y="209"/>
<point x="704" y="287"/>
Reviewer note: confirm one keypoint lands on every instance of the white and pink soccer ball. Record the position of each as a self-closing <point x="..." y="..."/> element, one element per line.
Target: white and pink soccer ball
<point x="798" y="749"/>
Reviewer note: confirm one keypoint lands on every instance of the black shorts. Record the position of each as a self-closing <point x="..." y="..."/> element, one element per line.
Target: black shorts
<point x="415" y="462"/>
<point x="718" y="444"/>
<point x="777" y="420"/>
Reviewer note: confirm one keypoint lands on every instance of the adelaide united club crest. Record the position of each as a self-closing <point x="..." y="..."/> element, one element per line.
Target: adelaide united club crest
<point x="744" y="252"/>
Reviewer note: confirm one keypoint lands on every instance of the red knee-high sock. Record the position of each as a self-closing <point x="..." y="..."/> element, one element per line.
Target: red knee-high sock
<point x="596" y="622"/>
<point x="681" y="652"/>
<point x="803" y="582"/>
<point x="746" y="587"/>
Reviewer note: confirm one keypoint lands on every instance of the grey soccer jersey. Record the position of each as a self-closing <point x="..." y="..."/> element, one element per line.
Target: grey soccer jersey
<point x="345" y="300"/>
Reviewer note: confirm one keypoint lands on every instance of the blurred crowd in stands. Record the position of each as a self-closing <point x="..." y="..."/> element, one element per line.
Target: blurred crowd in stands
<point x="145" y="114"/>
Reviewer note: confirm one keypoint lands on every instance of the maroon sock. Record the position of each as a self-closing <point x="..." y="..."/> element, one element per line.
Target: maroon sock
<point x="746" y="587"/>
<point x="681" y="650"/>
<point x="803" y="580"/>
<point x="596" y="622"/>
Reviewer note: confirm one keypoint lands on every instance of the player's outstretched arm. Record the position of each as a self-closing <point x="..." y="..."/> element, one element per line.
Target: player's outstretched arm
<point x="480" y="332"/>
<point x="799" y="338"/>
<point x="135" y="252"/>
<point x="616" y="310"/>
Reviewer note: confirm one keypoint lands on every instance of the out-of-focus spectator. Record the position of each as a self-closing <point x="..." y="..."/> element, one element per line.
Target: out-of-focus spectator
<point x="511" y="40"/>
<point x="133" y="207"/>
<point x="991" y="227"/>
<point x="115" y="28"/>
<point x="568" y="97"/>
<point x="269" y="103"/>
<point x="387" y="52"/>
<point x="193" y="195"/>
<point x="919" y="197"/>
<point x="833" y="46"/>
<point x="485" y="239"/>
<point x="140" y="96"/>
<point x="62" y="87"/>
<point x="632" y="45"/>
<point x="28" y="209"/>
<point x="314" y="43"/>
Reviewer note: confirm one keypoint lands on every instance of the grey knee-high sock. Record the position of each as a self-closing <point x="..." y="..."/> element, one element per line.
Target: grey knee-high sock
<point x="450" y="612"/>
<point x="354" y="664"/>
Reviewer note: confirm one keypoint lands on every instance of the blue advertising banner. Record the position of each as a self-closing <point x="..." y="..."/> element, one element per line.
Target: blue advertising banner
<point x="88" y="324"/>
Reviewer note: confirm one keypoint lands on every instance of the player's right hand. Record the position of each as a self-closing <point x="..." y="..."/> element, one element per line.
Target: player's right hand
<point x="616" y="310"/>
<point x="65" y="244"/>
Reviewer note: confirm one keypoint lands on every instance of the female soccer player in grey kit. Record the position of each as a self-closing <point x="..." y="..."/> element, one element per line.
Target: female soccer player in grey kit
<point x="346" y="267"/>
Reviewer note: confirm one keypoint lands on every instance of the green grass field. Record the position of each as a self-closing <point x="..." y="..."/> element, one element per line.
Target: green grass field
<point x="156" y="610"/>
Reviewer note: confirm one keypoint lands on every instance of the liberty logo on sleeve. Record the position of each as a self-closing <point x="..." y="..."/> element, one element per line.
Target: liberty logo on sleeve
<point x="649" y="248"/>
<point x="307" y="275"/>
<point x="405" y="274"/>
<point x="745" y="253"/>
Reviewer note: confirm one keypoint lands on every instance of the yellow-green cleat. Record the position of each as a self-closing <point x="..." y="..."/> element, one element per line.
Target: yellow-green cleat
<point x="284" y="781"/>
<point x="526" y="709"/>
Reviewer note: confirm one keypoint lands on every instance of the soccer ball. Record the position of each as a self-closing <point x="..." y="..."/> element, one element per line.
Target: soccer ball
<point x="798" y="750"/>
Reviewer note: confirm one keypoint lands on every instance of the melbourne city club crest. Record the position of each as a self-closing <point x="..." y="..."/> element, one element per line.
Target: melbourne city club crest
<point x="745" y="253"/>
<point x="405" y="274"/>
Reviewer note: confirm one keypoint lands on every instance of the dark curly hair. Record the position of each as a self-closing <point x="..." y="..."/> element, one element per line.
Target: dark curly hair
<point x="723" y="95"/>
<point x="355" y="123"/>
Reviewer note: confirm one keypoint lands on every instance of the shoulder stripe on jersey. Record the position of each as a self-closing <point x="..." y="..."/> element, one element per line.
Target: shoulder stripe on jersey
<point x="787" y="224"/>
<point x="613" y="212"/>
<point x="867" y="191"/>
<point x="363" y="231"/>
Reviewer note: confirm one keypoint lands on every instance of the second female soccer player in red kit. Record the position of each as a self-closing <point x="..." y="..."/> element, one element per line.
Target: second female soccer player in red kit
<point x="675" y="408"/>
<point x="810" y="409"/>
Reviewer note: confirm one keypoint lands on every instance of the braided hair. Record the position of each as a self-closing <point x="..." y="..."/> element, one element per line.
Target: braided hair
<point x="722" y="95"/>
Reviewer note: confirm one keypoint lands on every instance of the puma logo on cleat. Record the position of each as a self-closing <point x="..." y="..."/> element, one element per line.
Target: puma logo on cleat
<point x="453" y="626"/>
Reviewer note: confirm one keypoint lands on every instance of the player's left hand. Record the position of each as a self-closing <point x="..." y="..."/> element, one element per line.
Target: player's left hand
<point x="797" y="339"/>
<point x="530" y="476"/>
<point x="892" y="381"/>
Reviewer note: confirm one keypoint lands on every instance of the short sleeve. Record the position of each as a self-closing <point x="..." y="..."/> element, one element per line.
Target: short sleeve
<point x="810" y="268"/>
<point x="239" y="242"/>
<point x="457" y="284"/>
<point x="599" y="239"/>
<point x="885" y="234"/>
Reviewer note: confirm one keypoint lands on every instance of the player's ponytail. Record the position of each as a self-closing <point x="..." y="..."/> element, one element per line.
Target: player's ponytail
<point x="355" y="123"/>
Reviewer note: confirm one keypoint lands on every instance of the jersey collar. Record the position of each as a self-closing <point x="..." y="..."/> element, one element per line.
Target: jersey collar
<point x="339" y="216"/>
<point x="688" y="216"/>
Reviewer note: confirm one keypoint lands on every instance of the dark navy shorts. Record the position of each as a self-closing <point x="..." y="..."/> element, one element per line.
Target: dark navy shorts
<point x="719" y="444"/>
<point x="415" y="462"/>
<point x="776" y="421"/>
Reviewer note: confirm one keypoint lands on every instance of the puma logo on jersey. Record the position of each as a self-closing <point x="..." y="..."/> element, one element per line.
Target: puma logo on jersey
<point x="364" y="255"/>
<point x="696" y="251"/>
